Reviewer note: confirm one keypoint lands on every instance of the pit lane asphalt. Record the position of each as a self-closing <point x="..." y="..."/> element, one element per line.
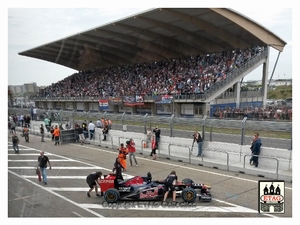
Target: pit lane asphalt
<point x="234" y="195"/>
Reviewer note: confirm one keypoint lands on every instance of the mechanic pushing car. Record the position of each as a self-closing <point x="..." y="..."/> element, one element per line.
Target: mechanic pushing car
<point x="170" y="181"/>
<point x="92" y="181"/>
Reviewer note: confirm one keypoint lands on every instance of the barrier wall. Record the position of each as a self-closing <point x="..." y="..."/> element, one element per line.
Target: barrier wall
<point x="273" y="162"/>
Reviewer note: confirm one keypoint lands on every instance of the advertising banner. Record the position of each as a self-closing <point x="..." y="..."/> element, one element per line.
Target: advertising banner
<point x="115" y="100"/>
<point x="103" y="104"/>
<point x="133" y="100"/>
<point x="163" y="99"/>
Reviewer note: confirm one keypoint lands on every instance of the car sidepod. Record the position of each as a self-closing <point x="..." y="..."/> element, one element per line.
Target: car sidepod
<point x="112" y="195"/>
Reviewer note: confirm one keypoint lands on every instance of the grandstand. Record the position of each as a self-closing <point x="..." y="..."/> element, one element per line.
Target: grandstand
<point x="165" y="61"/>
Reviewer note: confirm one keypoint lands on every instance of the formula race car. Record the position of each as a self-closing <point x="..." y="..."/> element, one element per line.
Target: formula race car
<point x="146" y="189"/>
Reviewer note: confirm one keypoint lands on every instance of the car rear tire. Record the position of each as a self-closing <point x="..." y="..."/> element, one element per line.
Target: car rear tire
<point x="112" y="195"/>
<point x="189" y="195"/>
<point x="188" y="181"/>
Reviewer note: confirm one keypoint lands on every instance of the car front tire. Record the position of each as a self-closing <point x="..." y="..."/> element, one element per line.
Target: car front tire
<point x="189" y="195"/>
<point x="112" y="195"/>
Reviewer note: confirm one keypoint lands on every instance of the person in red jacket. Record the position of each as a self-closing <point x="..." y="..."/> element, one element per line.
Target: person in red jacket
<point x="131" y="151"/>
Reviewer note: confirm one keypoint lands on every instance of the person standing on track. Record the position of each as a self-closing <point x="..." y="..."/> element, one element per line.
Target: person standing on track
<point x="79" y="132"/>
<point x="91" y="128"/>
<point x="256" y="144"/>
<point x="123" y="151"/>
<point x="105" y="132"/>
<point x="156" y="131"/>
<point x="85" y="129"/>
<point x="42" y="131"/>
<point x="25" y="133"/>
<point x="118" y="171"/>
<point x="148" y="137"/>
<point x="92" y="181"/>
<point x="43" y="160"/>
<point x="56" y="134"/>
<point x="15" y="141"/>
<point x="154" y="146"/>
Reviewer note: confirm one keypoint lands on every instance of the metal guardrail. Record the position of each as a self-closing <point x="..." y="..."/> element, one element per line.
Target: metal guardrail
<point x="35" y="130"/>
<point x="169" y="150"/>
<point x="142" y="143"/>
<point x="107" y="136"/>
<point x="284" y="126"/>
<point x="220" y="151"/>
<point x="277" y="162"/>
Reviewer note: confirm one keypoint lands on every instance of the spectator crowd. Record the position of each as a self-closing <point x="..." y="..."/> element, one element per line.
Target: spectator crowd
<point x="255" y="113"/>
<point x="180" y="76"/>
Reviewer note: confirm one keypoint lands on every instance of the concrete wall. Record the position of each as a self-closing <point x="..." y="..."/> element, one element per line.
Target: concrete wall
<point x="273" y="162"/>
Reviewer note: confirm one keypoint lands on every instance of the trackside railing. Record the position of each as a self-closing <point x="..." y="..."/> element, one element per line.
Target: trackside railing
<point x="107" y="136"/>
<point x="220" y="151"/>
<point x="189" y="150"/>
<point x="268" y="157"/>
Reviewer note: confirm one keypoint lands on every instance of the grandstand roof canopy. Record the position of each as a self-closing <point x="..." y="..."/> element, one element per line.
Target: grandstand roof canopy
<point x="155" y="35"/>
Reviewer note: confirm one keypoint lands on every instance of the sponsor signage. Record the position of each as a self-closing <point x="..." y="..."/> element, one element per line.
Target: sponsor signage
<point x="103" y="104"/>
<point x="115" y="100"/>
<point x="133" y="100"/>
<point x="163" y="99"/>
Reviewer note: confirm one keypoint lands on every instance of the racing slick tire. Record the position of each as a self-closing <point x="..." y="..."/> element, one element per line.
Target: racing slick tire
<point x="188" y="181"/>
<point x="188" y="195"/>
<point x="112" y="195"/>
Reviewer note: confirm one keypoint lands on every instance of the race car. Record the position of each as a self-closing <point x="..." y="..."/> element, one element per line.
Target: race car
<point x="146" y="189"/>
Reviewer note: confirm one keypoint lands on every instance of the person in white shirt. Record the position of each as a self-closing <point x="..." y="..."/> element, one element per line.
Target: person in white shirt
<point x="22" y="120"/>
<point x="34" y="113"/>
<point x="91" y="129"/>
<point x="98" y="123"/>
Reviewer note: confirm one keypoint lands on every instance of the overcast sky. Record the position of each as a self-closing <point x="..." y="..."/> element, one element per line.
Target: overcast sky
<point x="32" y="27"/>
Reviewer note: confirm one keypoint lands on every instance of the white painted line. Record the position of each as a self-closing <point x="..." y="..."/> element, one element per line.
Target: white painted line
<point x="93" y="167"/>
<point x="27" y="154"/>
<point x="67" y="177"/>
<point x="32" y="160"/>
<point x="77" y="214"/>
<point x="57" y="177"/>
<point x="60" y="196"/>
<point x="159" y="207"/>
<point x="60" y="168"/>
<point x="68" y="189"/>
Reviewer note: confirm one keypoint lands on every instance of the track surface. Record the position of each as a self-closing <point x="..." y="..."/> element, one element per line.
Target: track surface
<point x="234" y="195"/>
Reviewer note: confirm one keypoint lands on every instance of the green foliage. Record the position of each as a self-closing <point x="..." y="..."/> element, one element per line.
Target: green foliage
<point x="280" y="92"/>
